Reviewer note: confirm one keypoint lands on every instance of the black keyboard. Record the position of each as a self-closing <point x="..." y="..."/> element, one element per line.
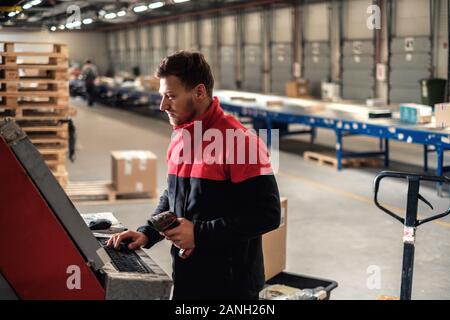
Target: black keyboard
<point x="124" y="259"/>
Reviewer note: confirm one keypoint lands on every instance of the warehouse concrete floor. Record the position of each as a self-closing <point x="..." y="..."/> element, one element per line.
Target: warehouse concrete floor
<point x="334" y="229"/>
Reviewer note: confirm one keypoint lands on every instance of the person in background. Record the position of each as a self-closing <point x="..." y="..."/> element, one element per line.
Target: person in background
<point x="89" y="73"/>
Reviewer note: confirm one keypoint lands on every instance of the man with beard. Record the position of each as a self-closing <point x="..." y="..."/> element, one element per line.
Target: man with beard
<point x="223" y="207"/>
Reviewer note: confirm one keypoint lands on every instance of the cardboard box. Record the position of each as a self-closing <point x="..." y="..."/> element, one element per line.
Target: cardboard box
<point x="274" y="103"/>
<point x="134" y="172"/>
<point x="150" y="83"/>
<point x="297" y="89"/>
<point x="442" y="113"/>
<point x="415" y="113"/>
<point x="274" y="246"/>
<point x="243" y="99"/>
<point x="375" y="102"/>
<point x="330" y="91"/>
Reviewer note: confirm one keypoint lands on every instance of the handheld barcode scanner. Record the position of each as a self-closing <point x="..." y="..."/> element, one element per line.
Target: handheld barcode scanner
<point x="164" y="221"/>
<point x="410" y="221"/>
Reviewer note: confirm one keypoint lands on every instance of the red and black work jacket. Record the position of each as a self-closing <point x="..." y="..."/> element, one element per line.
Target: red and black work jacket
<point x="231" y="197"/>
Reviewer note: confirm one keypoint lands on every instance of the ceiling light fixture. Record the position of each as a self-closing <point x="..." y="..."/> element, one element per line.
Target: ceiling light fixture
<point x="88" y="21"/>
<point x="156" y="5"/>
<point x="111" y="15"/>
<point x="121" y="13"/>
<point x="140" y="8"/>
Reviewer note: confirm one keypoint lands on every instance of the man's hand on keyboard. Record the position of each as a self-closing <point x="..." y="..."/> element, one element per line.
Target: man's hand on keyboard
<point x="135" y="239"/>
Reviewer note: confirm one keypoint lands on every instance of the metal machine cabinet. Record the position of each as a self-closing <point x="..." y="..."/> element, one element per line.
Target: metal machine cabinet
<point x="281" y="66"/>
<point x="358" y="65"/>
<point x="316" y="64"/>
<point x="410" y="62"/>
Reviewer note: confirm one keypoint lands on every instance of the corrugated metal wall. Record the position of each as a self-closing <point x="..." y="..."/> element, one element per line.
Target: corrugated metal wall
<point x="410" y="50"/>
<point x="281" y="49"/>
<point x="254" y="50"/>
<point x="227" y="52"/>
<point x="358" y="61"/>
<point x="253" y="56"/>
<point x="316" y="53"/>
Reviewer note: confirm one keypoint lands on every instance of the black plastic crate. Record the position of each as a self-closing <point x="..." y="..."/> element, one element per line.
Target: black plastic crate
<point x="303" y="282"/>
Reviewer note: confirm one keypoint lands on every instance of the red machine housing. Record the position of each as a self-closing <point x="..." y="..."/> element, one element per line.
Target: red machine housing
<point x="36" y="252"/>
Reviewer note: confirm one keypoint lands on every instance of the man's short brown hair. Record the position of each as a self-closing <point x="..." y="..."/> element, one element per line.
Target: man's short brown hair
<point x="190" y="67"/>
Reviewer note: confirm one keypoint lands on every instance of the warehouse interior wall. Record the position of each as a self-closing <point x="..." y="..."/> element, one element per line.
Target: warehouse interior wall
<point x="245" y="47"/>
<point x="83" y="45"/>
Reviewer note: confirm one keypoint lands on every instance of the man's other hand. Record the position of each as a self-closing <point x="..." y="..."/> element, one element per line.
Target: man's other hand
<point x="183" y="235"/>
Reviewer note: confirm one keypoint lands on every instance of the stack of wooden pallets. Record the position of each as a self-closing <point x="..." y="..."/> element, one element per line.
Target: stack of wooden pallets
<point x="329" y="159"/>
<point x="34" y="91"/>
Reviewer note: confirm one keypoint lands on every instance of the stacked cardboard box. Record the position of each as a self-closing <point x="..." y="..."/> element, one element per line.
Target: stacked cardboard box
<point x="34" y="91"/>
<point x="274" y="246"/>
<point x="330" y="91"/>
<point x="134" y="172"/>
<point x="150" y="83"/>
<point x="442" y="113"/>
<point x="297" y="89"/>
<point x="415" y="113"/>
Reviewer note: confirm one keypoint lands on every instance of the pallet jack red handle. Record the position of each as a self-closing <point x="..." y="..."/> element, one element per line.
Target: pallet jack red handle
<point x="409" y="177"/>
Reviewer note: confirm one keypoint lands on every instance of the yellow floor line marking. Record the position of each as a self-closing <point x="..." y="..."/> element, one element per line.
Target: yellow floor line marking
<point x="352" y="195"/>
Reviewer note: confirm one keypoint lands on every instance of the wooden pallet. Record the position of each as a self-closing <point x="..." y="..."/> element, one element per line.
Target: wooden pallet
<point x="15" y="52"/>
<point x="33" y="83"/>
<point x="41" y="85"/>
<point x="101" y="192"/>
<point x="62" y="176"/>
<point x="329" y="159"/>
<point x="384" y="297"/>
<point x="35" y="66"/>
<point x="42" y="114"/>
<point x="30" y="127"/>
<point x="33" y="54"/>
<point x="34" y="74"/>
<point x="57" y="168"/>
<point x="11" y="46"/>
<point x="53" y="153"/>
<point x="50" y="143"/>
<point x="34" y="91"/>
<point x="33" y="101"/>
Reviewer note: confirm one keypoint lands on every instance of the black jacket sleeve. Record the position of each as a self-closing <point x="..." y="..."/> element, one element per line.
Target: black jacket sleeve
<point x="153" y="235"/>
<point x="257" y="204"/>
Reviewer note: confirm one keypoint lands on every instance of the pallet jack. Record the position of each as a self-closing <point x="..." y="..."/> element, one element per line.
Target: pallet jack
<point x="410" y="222"/>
